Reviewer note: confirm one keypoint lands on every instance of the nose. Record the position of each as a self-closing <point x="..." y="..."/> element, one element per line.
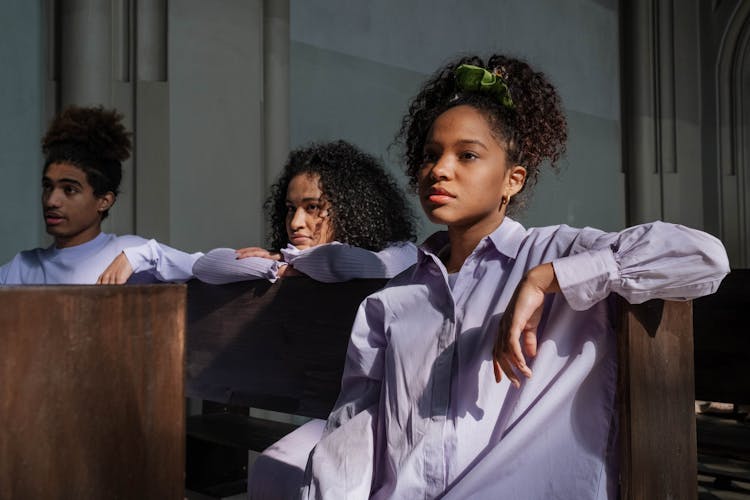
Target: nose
<point x="51" y="198"/>
<point x="441" y="169"/>
<point x="298" y="219"/>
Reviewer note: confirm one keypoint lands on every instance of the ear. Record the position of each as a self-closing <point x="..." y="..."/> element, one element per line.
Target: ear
<point x="515" y="179"/>
<point x="105" y="201"/>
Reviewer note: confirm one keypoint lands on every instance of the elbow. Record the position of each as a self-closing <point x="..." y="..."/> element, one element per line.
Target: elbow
<point x="718" y="259"/>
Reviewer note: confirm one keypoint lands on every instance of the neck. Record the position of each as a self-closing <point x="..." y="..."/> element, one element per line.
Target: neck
<point x="78" y="239"/>
<point x="463" y="241"/>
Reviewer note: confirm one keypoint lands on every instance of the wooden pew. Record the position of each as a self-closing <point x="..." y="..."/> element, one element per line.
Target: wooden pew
<point x="91" y="384"/>
<point x="281" y="347"/>
<point x="277" y="347"/>
<point x="656" y="401"/>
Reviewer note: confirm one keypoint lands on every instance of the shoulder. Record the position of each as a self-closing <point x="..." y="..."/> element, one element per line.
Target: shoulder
<point x="560" y="237"/>
<point x="126" y="240"/>
<point x="23" y="265"/>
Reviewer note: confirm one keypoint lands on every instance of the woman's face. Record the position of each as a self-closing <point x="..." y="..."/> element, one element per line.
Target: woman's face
<point x="308" y="223"/>
<point x="465" y="172"/>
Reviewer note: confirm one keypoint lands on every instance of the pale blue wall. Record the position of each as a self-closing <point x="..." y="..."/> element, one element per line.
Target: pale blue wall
<point x="354" y="67"/>
<point x="21" y="91"/>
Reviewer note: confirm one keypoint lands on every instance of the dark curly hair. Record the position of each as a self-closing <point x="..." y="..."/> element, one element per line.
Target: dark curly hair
<point x="532" y="131"/>
<point x="94" y="140"/>
<point x="368" y="210"/>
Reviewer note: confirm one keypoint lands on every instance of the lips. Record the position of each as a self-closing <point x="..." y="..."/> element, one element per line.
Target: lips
<point x="439" y="196"/>
<point x="298" y="238"/>
<point x="53" y="218"/>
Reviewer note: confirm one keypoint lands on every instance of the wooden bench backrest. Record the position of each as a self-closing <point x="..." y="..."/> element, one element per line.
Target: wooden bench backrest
<point x="91" y="402"/>
<point x="278" y="347"/>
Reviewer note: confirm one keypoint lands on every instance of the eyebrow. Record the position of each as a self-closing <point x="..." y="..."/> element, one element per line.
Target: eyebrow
<point x="305" y="200"/>
<point x="460" y="142"/>
<point x="64" y="179"/>
<point x="472" y="141"/>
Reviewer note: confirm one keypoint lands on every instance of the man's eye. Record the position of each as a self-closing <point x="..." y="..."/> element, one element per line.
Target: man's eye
<point x="70" y="190"/>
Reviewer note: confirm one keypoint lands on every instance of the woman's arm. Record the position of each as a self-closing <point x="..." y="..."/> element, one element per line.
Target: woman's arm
<point x="336" y="262"/>
<point x="649" y="261"/>
<point x="644" y="262"/>
<point x="222" y="265"/>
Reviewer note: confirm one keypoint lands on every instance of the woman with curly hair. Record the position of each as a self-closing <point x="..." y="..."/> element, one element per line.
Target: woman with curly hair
<point x="84" y="148"/>
<point x="437" y="397"/>
<point x="335" y="214"/>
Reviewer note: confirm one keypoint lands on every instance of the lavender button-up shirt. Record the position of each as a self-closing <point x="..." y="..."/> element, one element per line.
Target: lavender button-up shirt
<point x="420" y="414"/>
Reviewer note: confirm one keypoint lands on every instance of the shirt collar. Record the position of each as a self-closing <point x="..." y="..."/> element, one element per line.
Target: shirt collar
<point x="506" y="239"/>
<point x="99" y="240"/>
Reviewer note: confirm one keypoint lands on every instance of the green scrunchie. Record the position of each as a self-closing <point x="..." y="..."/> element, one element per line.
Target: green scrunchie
<point x="473" y="78"/>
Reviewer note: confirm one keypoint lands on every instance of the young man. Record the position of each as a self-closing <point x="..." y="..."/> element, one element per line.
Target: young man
<point x="84" y="149"/>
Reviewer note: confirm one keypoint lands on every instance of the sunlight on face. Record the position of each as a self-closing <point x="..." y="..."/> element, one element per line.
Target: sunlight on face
<point x="308" y="221"/>
<point x="465" y="173"/>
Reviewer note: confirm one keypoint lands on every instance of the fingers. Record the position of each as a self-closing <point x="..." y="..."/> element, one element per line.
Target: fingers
<point x="507" y="368"/>
<point x="529" y="343"/>
<point x="244" y="253"/>
<point x="515" y="356"/>
<point x="110" y="278"/>
<point x="117" y="273"/>
<point x="517" y="325"/>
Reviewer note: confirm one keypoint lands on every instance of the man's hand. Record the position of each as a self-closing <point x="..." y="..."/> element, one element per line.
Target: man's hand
<point x="519" y="324"/>
<point x="244" y="253"/>
<point x="117" y="272"/>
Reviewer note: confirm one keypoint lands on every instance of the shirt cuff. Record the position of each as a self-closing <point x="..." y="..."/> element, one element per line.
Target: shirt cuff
<point x="586" y="278"/>
<point x="142" y="257"/>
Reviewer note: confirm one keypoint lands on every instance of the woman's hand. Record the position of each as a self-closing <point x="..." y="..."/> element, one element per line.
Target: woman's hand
<point x="519" y="323"/>
<point x="286" y="270"/>
<point x="117" y="272"/>
<point x="244" y="253"/>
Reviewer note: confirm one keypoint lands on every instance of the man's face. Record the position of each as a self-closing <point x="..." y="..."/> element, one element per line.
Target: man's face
<point x="72" y="212"/>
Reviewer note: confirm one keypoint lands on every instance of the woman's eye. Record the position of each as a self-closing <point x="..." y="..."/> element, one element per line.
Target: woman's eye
<point x="429" y="157"/>
<point x="313" y="208"/>
<point x="70" y="190"/>
<point x="289" y="209"/>
<point x="468" y="155"/>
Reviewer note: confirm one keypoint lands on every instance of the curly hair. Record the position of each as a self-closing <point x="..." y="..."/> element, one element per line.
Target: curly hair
<point x="368" y="210"/>
<point x="532" y="131"/>
<point x="94" y="140"/>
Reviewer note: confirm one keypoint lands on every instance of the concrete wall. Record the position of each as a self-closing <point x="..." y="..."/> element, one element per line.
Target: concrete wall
<point x="215" y="78"/>
<point x="355" y="65"/>
<point x="353" y="68"/>
<point x="21" y="111"/>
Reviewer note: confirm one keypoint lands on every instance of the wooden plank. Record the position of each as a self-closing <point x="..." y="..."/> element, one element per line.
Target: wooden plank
<point x="278" y="347"/>
<point x="656" y="398"/>
<point x="91" y="392"/>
